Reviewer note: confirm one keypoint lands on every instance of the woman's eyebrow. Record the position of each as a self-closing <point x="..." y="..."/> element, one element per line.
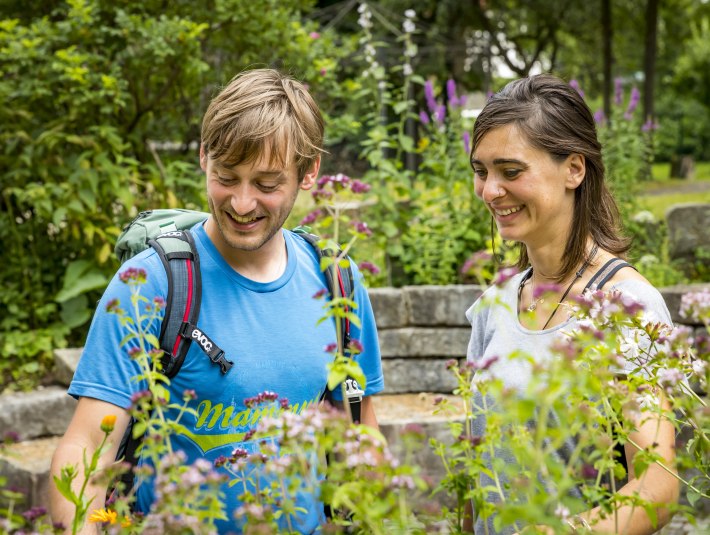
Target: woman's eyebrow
<point x="499" y="161"/>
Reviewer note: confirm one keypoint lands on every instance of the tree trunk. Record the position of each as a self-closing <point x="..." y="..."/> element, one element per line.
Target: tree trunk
<point x="649" y="60"/>
<point x="608" y="58"/>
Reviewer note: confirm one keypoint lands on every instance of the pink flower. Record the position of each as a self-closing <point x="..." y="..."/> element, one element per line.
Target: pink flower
<point x="362" y="228"/>
<point x="311" y="217"/>
<point x="370" y="267"/>
<point x="314" y="35"/>
<point x="133" y="275"/>
<point x="358" y="186"/>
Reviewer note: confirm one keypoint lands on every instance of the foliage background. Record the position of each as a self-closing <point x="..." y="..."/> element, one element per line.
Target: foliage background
<point x="102" y="104"/>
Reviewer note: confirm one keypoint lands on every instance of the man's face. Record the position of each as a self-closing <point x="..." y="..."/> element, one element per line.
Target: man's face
<point x="250" y="202"/>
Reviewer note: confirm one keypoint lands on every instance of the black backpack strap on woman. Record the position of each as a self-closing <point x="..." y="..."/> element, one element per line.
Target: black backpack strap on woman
<point x="605" y="273"/>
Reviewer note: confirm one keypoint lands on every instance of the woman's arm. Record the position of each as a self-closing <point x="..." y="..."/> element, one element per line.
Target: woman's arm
<point x="658" y="484"/>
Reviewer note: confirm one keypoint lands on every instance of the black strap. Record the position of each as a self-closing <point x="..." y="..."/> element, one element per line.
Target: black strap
<point x="605" y="273"/>
<point x="191" y="332"/>
<point x="339" y="280"/>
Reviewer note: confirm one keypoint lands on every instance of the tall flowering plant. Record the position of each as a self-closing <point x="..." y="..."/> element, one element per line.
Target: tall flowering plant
<point x="425" y="218"/>
<point x="533" y="456"/>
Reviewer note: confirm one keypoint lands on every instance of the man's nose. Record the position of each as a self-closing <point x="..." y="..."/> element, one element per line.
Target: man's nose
<point x="243" y="201"/>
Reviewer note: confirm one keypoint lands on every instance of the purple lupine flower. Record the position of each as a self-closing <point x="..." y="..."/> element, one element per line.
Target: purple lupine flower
<point x="440" y="114"/>
<point x="358" y="186"/>
<point x="618" y="91"/>
<point x="466" y="142"/>
<point x="451" y="92"/>
<point x="429" y="96"/>
<point x="599" y="116"/>
<point x="462" y="101"/>
<point x="369" y="266"/>
<point x="649" y="126"/>
<point x="424" y="117"/>
<point x="633" y="102"/>
<point x="574" y="84"/>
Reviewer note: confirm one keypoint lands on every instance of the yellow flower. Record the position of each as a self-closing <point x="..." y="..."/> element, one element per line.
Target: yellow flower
<point x="103" y="515"/>
<point x="126" y="522"/>
<point x="108" y="423"/>
<point x="424" y="142"/>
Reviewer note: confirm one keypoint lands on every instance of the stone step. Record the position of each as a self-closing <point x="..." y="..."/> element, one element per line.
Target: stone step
<point x="40" y="413"/>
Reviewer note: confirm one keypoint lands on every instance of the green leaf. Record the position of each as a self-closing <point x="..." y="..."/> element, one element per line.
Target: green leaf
<point x="80" y="277"/>
<point x="76" y="311"/>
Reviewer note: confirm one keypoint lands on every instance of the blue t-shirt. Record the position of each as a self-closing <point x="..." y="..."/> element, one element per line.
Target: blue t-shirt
<point x="270" y="332"/>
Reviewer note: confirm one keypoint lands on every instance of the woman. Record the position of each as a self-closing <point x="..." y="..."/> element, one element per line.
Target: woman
<point x="538" y="168"/>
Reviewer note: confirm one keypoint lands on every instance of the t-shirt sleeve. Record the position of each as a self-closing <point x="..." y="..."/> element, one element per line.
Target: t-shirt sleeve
<point x="478" y="316"/>
<point x="105" y="370"/>
<point x="634" y="343"/>
<point x="370" y="359"/>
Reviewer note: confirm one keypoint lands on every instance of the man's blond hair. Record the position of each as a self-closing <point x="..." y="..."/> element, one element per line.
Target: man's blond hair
<point x="260" y="110"/>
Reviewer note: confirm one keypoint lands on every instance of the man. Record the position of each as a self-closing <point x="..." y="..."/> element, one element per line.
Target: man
<point x="261" y="144"/>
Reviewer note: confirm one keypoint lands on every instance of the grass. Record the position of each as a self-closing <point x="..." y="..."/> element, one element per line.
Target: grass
<point x="659" y="204"/>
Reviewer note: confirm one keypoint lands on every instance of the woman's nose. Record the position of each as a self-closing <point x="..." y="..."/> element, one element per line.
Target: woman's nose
<point x="492" y="189"/>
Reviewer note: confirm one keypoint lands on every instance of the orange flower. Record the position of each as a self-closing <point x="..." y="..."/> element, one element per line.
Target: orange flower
<point x="103" y="515"/>
<point x="108" y="423"/>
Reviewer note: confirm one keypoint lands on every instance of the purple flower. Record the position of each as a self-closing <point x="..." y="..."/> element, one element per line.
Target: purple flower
<point x="220" y="461"/>
<point x="283" y="402"/>
<point x="599" y="116"/>
<point x="311" y="217"/>
<point x="486" y="363"/>
<point x="649" y="126"/>
<point x="320" y="293"/>
<point x="331" y="348"/>
<point x="424" y="117"/>
<point x="355" y="346"/>
<point x="633" y="102"/>
<point x="189" y="394"/>
<point x="34" y="513"/>
<point x="466" y="141"/>
<point x="113" y="307"/>
<point x="618" y="91"/>
<point x="504" y="275"/>
<point x="462" y="100"/>
<point x="133" y="275"/>
<point x="440" y="114"/>
<point x="369" y="266"/>
<point x="159" y="303"/>
<point x="321" y="193"/>
<point x="358" y="186"/>
<point x="574" y="84"/>
<point x="362" y="228"/>
<point x="429" y="96"/>
<point x="11" y="437"/>
<point x="588" y="471"/>
<point x="542" y="289"/>
<point x="451" y="92"/>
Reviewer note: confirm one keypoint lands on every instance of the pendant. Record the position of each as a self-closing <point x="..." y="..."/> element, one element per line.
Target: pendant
<point x="533" y="305"/>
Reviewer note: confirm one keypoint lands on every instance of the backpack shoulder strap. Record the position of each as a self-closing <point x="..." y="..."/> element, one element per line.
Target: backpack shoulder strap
<point x="605" y="273"/>
<point x="340" y="282"/>
<point x="179" y="256"/>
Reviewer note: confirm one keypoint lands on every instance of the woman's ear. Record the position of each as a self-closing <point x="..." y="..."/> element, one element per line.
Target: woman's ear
<point x="309" y="179"/>
<point x="576" y="166"/>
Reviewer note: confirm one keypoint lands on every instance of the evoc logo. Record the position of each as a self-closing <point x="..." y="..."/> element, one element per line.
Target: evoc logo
<point x="202" y="339"/>
<point x="352" y="388"/>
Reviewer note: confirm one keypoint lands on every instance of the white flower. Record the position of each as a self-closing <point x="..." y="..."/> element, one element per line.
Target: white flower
<point x="699" y="368"/>
<point x="408" y="26"/>
<point x="644" y="216"/>
<point x="407" y="69"/>
<point x="410" y="14"/>
<point x="562" y="512"/>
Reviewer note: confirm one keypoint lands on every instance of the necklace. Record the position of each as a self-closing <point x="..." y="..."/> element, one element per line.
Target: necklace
<point x="577" y="275"/>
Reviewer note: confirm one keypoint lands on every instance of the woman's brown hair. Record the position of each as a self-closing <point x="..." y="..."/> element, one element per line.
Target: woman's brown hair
<point x="554" y="118"/>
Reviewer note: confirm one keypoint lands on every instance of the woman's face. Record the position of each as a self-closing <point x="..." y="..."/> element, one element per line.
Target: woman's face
<point x="530" y="195"/>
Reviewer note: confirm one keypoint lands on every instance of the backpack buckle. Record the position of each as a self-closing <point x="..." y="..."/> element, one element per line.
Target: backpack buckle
<point x="352" y="390"/>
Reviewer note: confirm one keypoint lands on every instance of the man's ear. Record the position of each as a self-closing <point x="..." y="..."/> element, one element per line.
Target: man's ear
<point x="576" y="166"/>
<point x="203" y="158"/>
<point x="309" y="179"/>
